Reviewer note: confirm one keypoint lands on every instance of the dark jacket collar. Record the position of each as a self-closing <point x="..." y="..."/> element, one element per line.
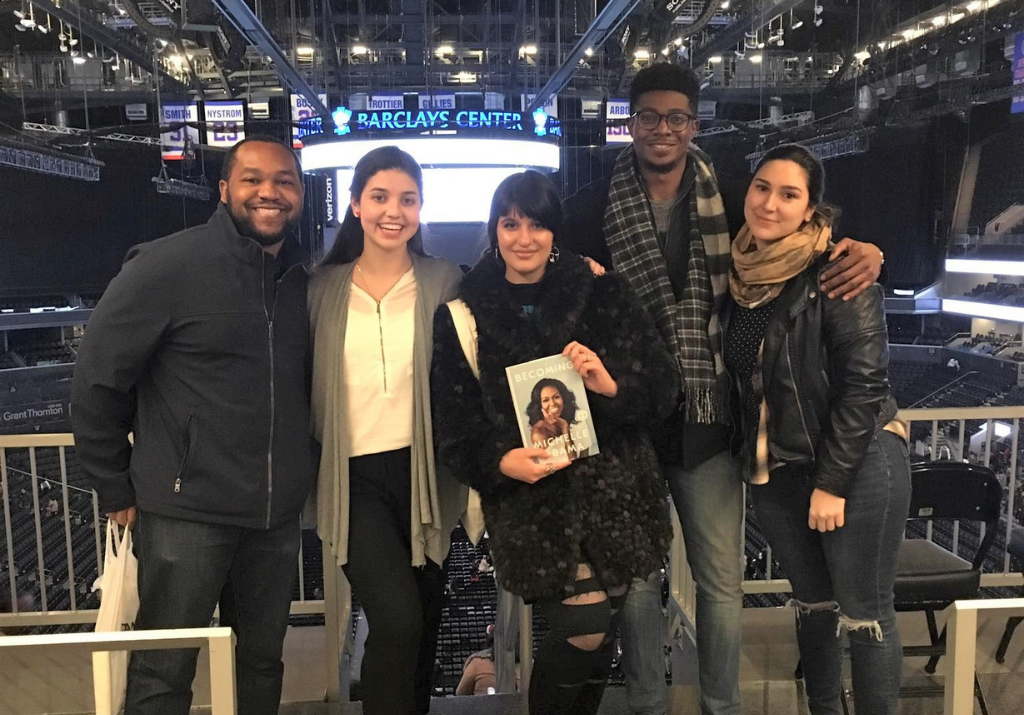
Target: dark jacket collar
<point x="565" y="289"/>
<point x="247" y="249"/>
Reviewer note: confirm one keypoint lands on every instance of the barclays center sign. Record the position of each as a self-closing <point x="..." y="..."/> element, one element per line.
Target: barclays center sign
<point x="348" y="121"/>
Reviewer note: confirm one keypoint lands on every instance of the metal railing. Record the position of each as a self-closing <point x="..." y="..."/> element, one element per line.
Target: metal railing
<point x="961" y="649"/>
<point x="219" y="641"/>
<point x="58" y="559"/>
<point x="35" y="479"/>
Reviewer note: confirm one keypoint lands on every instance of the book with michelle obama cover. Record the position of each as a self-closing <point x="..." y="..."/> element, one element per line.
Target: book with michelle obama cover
<point x="552" y="408"/>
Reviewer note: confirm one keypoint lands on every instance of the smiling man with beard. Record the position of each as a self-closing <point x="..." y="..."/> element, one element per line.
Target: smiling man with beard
<point x="200" y="348"/>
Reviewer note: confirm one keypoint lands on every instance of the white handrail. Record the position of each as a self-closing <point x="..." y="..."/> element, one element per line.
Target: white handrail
<point x="219" y="641"/>
<point x="961" y="649"/>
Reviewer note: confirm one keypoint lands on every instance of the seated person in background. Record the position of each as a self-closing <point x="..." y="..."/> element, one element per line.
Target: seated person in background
<point x="478" y="670"/>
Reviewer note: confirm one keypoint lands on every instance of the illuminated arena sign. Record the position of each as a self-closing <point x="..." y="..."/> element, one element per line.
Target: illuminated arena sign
<point x="350" y="122"/>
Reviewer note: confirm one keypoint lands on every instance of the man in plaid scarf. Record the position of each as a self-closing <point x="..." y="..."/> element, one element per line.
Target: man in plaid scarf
<point x="663" y="221"/>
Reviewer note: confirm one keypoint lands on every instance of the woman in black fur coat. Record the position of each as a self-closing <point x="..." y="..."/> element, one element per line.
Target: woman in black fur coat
<point x="568" y="535"/>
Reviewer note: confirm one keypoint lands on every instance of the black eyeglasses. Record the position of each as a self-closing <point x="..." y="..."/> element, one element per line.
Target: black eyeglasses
<point x="677" y="121"/>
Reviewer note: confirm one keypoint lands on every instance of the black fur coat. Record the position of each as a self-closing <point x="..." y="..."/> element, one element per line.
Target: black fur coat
<point x="609" y="510"/>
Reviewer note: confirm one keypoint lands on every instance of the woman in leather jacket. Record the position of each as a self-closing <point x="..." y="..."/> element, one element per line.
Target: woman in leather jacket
<point x="828" y="464"/>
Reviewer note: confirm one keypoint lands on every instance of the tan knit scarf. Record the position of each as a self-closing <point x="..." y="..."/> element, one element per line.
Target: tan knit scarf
<point x="759" y="273"/>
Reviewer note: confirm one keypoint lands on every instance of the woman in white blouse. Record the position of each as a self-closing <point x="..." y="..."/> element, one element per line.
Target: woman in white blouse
<point x="382" y="511"/>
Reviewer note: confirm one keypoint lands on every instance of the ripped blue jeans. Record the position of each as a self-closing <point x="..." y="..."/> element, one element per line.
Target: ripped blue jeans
<point x="843" y="580"/>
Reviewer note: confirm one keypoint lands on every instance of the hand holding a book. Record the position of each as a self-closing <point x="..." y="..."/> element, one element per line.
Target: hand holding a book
<point x="529" y="464"/>
<point x="591" y="369"/>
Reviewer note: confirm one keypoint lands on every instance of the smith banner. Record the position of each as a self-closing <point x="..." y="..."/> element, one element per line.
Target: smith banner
<point x="172" y="143"/>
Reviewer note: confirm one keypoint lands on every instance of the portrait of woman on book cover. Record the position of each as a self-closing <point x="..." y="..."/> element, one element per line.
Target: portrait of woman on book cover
<point x="552" y="414"/>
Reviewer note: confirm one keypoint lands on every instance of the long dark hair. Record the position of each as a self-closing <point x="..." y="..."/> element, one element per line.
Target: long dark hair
<point x="803" y="157"/>
<point x="348" y="243"/>
<point x="532" y="194"/>
<point x="533" y="410"/>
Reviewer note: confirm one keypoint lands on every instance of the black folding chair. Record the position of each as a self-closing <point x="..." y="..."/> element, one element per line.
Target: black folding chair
<point x="929" y="577"/>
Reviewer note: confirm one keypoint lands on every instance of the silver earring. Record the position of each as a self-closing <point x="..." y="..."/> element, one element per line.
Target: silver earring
<point x="497" y="254"/>
<point x="553" y="256"/>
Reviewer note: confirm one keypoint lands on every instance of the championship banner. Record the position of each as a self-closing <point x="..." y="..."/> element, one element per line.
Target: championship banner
<point x="259" y="109"/>
<point x="550" y="107"/>
<point x="136" y="112"/>
<point x="1017" y="104"/>
<point x="305" y="120"/>
<point x="172" y="143"/>
<point x="225" y="123"/>
<point x="617" y="133"/>
<point x="437" y="101"/>
<point x="387" y="101"/>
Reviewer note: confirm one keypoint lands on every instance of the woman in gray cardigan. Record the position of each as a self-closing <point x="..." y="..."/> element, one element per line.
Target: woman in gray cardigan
<point x="382" y="510"/>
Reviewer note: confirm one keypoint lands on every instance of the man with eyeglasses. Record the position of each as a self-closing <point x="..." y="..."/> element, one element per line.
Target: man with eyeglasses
<point x="663" y="220"/>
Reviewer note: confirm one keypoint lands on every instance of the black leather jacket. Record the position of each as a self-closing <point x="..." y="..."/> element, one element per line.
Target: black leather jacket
<point x="825" y="368"/>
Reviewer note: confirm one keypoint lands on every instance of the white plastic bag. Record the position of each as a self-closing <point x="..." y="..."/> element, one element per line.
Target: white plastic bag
<point x="119" y="604"/>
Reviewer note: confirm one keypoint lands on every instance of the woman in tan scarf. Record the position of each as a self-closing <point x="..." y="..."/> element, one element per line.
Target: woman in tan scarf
<point x="830" y="476"/>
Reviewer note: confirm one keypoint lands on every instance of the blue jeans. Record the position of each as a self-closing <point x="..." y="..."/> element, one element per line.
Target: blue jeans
<point x="185" y="568"/>
<point x="843" y="579"/>
<point x="709" y="502"/>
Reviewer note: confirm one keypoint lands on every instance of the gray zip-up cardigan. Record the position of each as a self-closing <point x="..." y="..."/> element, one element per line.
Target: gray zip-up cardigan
<point x="437" y="500"/>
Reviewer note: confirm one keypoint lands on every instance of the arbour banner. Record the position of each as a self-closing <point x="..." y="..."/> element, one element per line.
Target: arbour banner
<point x="616" y="132"/>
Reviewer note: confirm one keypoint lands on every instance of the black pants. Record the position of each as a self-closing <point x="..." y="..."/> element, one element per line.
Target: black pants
<point x="402" y="603"/>
<point x="569" y="676"/>
<point x="185" y="568"/>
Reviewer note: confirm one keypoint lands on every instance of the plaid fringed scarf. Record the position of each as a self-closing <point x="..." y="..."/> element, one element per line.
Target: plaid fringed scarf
<point x="689" y="326"/>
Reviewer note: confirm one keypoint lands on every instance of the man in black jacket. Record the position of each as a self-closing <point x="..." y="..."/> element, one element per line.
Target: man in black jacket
<point x="200" y="349"/>
<point x="663" y="221"/>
